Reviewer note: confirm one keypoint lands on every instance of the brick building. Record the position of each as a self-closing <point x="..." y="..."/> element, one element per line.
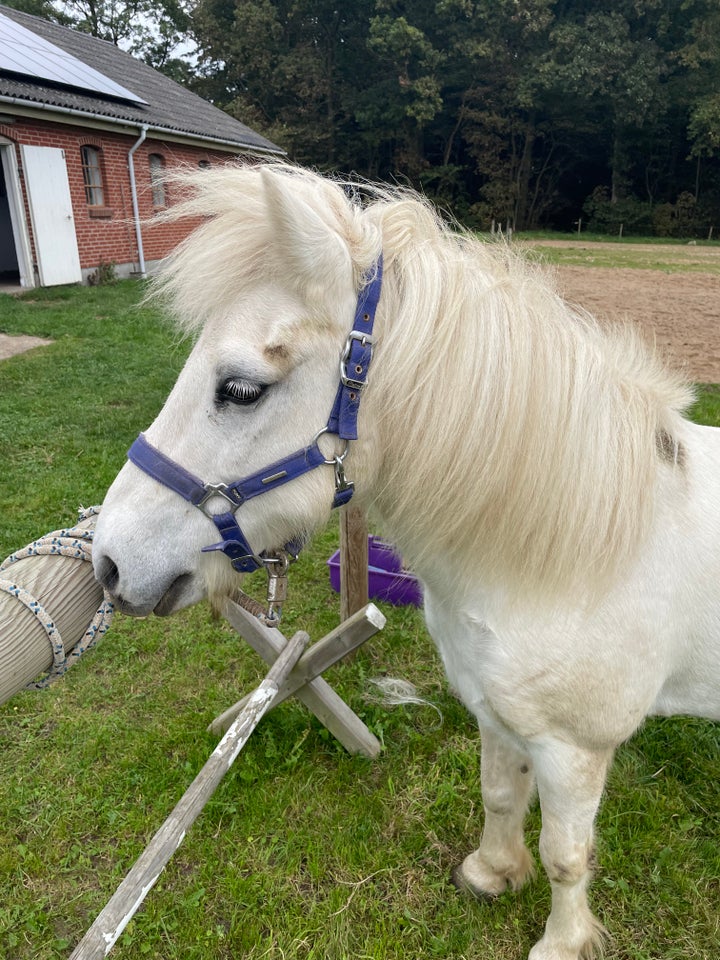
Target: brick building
<point x="86" y="132"/>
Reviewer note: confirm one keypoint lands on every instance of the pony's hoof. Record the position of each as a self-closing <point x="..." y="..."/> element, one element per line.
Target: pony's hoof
<point x="462" y="885"/>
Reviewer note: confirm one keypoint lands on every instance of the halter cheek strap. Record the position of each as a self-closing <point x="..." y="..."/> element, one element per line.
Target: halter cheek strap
<point x="355" y="360"/>
<point x="342" y="423"/>
<point x="234" y="543"/>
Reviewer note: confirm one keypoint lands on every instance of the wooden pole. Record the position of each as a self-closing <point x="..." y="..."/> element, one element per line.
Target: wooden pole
<point x="353" y="561"/>
<point x="305" y="681"/>
<point x="122" y="906"/>
<point x="66" y="589"/>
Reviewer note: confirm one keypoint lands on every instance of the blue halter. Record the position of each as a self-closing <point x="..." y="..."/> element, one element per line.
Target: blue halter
<point x="342" y="423"/>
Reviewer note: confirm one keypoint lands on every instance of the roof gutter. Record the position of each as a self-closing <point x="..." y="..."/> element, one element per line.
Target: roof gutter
<point x="133" y="194"/>
<point x="115" y="121"/>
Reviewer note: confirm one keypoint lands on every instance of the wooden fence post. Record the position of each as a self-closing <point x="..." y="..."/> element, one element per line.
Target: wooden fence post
<point x="353" y="561"/>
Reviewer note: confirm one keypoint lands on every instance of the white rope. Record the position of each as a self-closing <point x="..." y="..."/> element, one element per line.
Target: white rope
<point x="72" y="542"/>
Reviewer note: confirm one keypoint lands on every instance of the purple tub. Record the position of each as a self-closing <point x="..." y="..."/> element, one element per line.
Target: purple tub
<point x="387" y="580"/>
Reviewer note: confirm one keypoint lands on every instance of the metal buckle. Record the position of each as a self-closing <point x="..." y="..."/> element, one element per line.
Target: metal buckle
<point x="365" y="339"/>
<point x="218" y="490"/>
<point x="276" y="569"/>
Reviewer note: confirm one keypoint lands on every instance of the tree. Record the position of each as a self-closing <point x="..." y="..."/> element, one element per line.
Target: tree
<point x="404" y="95"/>
<point x="151" y="30"/>
<point x="38" y="8"/>
<point x="515" y="110"/>
<point x="290" y="68"/>
<point x="501" y="132"/>
<point x="615" y="57"/>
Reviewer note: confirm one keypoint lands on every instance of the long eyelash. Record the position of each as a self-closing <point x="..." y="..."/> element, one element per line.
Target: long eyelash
<point x="242" y="390"/>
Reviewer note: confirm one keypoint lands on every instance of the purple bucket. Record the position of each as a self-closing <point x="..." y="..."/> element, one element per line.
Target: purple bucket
<point x="387" y="580"/>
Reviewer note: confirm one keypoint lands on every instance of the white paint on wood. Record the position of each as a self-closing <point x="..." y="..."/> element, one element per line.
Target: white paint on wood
<point x="112" y="938"/>
<point x="239" y="732"/>
<point x="51" y="214"/>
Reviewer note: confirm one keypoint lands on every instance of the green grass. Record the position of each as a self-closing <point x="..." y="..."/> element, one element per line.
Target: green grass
<point x="587" y="236"/>
<point x="634" y="256"/>
<point x="304" y="852"/>
<point x="70" y="410"/>
<point x="706" y="409"/>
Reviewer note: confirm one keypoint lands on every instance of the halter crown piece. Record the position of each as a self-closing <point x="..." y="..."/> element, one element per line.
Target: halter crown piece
<point x="354" y="364"/>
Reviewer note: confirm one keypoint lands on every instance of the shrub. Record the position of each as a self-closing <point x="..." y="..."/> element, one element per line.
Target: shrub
<point x="105" y="273"/>
<point x="602" y="215"/>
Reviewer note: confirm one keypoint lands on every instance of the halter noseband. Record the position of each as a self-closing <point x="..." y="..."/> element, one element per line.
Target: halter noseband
<point x="342" y="423"/>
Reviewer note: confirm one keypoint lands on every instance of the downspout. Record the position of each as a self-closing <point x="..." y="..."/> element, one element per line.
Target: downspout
<point x="133" y="193"/>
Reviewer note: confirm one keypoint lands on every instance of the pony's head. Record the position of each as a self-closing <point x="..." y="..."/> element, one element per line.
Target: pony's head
<point x="268" y="285"/>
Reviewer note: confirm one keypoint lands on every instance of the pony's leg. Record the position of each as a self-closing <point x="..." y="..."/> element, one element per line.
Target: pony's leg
<point x="570" y="782"/>
<point x="507" y="785"/>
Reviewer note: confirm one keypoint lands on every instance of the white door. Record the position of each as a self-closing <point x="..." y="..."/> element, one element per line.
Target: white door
<point x="51" y="213"/>
<point x="16" y="210"/>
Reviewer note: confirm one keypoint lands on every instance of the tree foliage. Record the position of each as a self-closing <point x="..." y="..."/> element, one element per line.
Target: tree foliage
<point x="513" y="110"/>
<point x="527" y="112"/>
<point x="153" y="30"/>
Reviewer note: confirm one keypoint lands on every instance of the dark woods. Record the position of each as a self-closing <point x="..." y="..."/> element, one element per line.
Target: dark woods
<point x="531" y="113"/>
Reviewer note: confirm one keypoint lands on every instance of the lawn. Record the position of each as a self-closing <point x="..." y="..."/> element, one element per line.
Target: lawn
<point x="677" y="257"/>
<point x="304" y="852"/>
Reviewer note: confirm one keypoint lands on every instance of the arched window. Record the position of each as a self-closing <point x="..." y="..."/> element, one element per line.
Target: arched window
<point x="157" y="183"/>
<point x="92" y="175"/>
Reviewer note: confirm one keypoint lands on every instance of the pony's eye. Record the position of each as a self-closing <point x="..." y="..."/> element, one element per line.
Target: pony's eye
<point x="236" y="390"/>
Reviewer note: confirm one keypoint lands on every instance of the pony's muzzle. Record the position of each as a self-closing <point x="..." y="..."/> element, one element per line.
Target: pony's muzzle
<point x="177" y="593"/>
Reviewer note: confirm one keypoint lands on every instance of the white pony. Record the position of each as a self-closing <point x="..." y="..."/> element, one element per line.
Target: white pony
<point x="534" y="470"/>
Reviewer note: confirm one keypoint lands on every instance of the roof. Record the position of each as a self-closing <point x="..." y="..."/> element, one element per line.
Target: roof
<point x="168" y="106"/>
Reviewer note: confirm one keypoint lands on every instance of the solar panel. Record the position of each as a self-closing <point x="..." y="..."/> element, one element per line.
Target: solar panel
<point x="24" y="52"/>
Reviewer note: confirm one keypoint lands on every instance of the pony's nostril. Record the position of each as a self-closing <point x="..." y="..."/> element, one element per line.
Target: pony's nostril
<point x="106" y="573"/>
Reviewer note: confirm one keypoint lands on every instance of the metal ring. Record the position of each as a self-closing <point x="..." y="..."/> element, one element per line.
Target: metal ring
<point x="341" y="456"/>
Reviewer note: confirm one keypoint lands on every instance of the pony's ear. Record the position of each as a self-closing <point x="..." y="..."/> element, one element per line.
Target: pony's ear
<point x="309" y="245"/>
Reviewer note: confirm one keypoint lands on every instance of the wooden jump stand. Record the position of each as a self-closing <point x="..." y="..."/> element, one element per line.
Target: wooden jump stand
<point x="292" y="673"/>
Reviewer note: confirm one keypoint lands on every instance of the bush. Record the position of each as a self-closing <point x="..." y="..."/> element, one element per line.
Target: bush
<point x="105" y="273"/>
<point x="684" y="218"/>
<point x="603" y="216"/>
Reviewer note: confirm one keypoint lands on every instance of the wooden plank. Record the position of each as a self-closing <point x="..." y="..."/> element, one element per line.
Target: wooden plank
<point x="310" y="688"/>
<point x="128" y="897"/>
<point x="353" y="561"/>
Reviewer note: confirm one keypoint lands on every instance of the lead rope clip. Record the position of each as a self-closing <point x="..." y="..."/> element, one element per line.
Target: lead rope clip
<point x="277" y="586"/>
<point x="344" y="488"/>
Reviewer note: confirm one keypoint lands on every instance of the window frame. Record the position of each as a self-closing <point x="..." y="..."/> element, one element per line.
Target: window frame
<point x="156" y="166"/>
<point x="93" y="179"/>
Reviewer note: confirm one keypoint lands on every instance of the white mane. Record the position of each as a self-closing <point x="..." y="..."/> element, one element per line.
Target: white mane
<point x="515" y="434"/>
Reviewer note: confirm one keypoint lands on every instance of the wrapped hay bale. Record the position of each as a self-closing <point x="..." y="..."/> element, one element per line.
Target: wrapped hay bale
<point x="51" y="607"/>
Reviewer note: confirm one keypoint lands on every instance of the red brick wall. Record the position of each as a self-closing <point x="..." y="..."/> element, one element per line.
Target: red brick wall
<point x="107" y="234"/>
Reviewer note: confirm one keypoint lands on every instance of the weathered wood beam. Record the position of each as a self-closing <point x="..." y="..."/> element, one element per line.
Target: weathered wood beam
<point x="128" y="897"/>
<point x="305" y="681"/>
<point x="353" y="561"/>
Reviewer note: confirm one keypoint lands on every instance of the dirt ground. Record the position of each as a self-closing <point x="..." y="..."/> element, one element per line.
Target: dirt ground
<point x="680" y="312"/>
<point x="10" y="345"/>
